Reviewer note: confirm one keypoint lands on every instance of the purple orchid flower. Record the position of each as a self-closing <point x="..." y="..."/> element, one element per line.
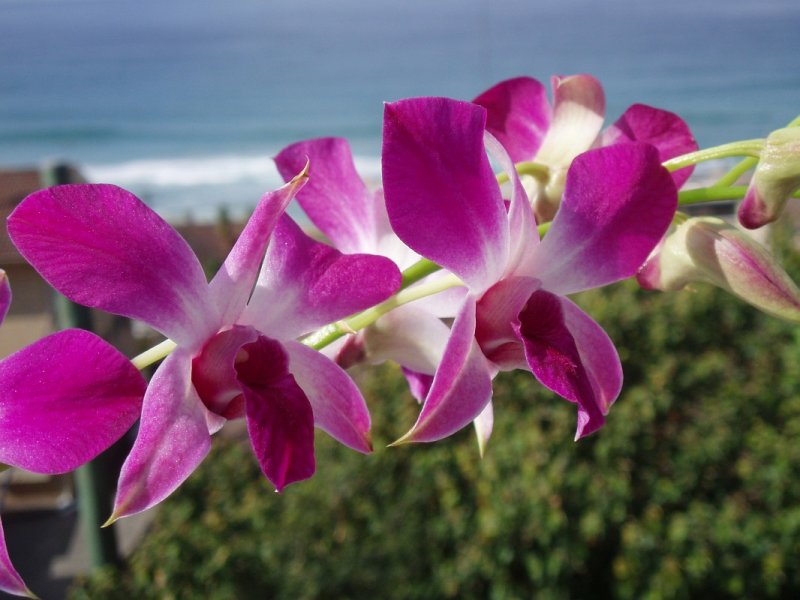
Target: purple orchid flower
<point x="236" y="353"/>
<point x="443" y="201"/>
<point x="63" y="400"/>
<point x="522" y="119"/>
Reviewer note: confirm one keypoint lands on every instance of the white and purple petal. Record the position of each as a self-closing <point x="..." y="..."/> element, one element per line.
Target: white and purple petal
<point x="441" y="194"/>
<point x="523" y="235"/>
<point x="338" y="406"/>
<point x="409" y="336"/>
<point x="173" y="438"/>
<point x="305" y="284"/>
<point x="579" y="106"/>
<point x="462" y="385"/>
<point x="233" y="283"/>
<point x="618" y="203"/>
<point x="335" y="198"/>
<point x="65" y="399"/>
<point x="102" y="247"/>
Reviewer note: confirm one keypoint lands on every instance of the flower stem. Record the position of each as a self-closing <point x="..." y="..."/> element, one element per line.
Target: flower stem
<point x="711" y="194"/>
<point x="741" y="148"/>
<point x="420" y="269"/>
<point x="740" y="169"/>
<point x="154" y="354"/>
<point x="715" y="193"/>
<point x="330" y="333"/>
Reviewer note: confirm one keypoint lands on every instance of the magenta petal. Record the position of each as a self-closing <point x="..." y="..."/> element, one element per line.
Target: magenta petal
<point x="597" y="353"/>
<point x="173" y="438"/>
<point x="5" y="295"/>
<point x="518" y="115"/>
<point x="65" y="399"/>
<point x="665" y="130"/>
<point x="101" y="246"/>
<point x="10" y="581"/>
<point x="555" y="360"/>
<point x="409" y="336"/>
<point x="305" y="284"/>
<point x="214" y="372"/>
<point x="618" y="203"/>
<point x="441" y="194"/>
<point x="461" y="388"/>
<point x="497" y="312"/>
<point x="233" y="283"/>
<point x="335" y="198"/>
<point x="279" y="417"/>
<point x="419" y="384"/>
<point x="338" y="406"/>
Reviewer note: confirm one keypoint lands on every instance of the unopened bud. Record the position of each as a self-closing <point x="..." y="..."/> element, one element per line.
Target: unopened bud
<point x="776" y="178"/>
<point x="707" y="249"/>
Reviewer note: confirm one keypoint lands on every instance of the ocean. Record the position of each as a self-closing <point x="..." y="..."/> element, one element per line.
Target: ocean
<point x="184" y="101"/>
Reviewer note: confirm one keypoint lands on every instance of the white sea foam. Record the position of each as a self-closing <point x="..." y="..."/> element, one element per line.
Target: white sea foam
<point x="207" y="170"/>
<point x="185" y="172"/>
<point x="197" y="187"/>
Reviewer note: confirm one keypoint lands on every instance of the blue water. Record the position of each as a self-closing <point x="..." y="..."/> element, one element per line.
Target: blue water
<point x="183" y="101"/>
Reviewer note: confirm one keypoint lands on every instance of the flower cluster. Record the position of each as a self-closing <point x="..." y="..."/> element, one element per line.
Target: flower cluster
<point x="452" y="270"/>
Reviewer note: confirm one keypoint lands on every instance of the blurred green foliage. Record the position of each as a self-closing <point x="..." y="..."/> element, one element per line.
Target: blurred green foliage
<point x="691" y="490"/>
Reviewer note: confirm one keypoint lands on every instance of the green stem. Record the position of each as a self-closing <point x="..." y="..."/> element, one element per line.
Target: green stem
<point x="740" y="169"/>
<point x="742" y="148"/>
<point x="330" y="333"/>
<point x="420" y="269"/>
<point x="711" y="194"/>
<point x="715" y="193"/>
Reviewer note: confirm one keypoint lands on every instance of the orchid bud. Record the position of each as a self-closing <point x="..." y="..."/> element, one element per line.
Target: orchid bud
<point x="710" y="250"/>
<point x="776" y="178"/>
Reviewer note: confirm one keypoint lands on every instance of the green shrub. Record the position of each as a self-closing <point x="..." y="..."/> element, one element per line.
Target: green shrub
<point x="691" y="490"/>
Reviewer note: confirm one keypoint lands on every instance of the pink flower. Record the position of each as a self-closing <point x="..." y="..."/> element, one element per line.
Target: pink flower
<point x="444" y="202"/>
<point x="63" y="400"/>
<point x="523" y="120"/>
<point x="237" y="354"/>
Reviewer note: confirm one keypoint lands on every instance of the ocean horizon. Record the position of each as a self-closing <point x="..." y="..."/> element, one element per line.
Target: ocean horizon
<point x="184" y="103"/>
